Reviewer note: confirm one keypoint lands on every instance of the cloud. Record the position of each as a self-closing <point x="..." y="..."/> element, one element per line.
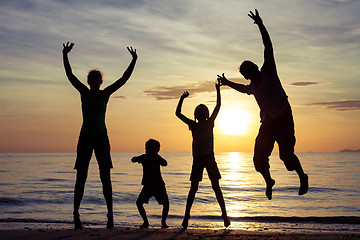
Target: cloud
<point x="304" y="84"/>
<point x="339" y="105"/>
<point x="119" y="97"/>
<point x="175" y="91"/>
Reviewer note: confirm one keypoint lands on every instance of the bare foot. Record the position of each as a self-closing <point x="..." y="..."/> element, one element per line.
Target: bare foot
<point x="77" y="221"/>
<point x="164" y="225"/>
<point x="269" y="186"/>
<point x="226" y="220"/>
<point x="110" y="222"/>
<point x="185" y="222"/>
<point x="304" y="184"/>
<point x="144" y="225"/>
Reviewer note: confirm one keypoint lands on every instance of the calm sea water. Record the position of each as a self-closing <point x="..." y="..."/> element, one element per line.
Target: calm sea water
<point x="38" y="188"/>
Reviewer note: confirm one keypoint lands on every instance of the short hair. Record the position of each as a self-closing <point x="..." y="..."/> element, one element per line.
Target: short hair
<point x="153" y="144"/>
<point x="94" y="74"/>
<point x="246" y="65"/>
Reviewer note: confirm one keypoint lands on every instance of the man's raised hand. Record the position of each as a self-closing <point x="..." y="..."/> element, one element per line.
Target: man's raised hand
<point x="222" y="79"/>
<point x="257" y="19"/>
<point x="132" y="52"/>
<point x="67" y="48"/>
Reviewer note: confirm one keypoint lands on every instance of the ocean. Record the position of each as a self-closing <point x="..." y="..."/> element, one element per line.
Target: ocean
<point x="37" y="189"/>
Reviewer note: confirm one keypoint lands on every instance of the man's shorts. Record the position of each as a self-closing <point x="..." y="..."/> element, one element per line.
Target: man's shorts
<point x="159" y="193"/>
<point x="208" y="162"/>
<point x="98" y="143"/>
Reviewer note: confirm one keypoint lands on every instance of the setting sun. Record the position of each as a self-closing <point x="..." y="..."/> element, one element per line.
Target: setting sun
<point x="233" y="121"/>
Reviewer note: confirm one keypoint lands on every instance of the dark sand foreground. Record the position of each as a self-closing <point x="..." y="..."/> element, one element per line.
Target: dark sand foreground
<point x="172" y="233"/>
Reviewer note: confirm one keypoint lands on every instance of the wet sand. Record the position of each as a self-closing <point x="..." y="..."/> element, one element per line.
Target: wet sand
<point x="172" y="233"/>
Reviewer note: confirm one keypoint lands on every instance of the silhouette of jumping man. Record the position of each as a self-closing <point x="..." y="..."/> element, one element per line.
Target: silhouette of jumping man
<point x="203" y="153"/>
<point x="93" y="134"/>
<point x="153" y="184"/>
<point x="277" y="123"/>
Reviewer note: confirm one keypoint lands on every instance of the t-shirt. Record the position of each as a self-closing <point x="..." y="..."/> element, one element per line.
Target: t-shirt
<point x="151" y="169"/>
<point x="203" y="137"/>
<point x="269" y="93"/>
<point x="93" y="107"/>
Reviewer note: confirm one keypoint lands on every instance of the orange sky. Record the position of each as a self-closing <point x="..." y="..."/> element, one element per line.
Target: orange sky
<point x="180" y="47"/>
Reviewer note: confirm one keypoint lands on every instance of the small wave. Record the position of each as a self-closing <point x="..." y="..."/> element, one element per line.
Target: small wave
<point x="52" y="180"/>
<point x="7" y="201"/>
<point x="176" y="173"/>
<point x="31" y="220"/>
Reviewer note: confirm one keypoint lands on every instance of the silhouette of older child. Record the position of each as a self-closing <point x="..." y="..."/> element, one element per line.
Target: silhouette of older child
<point x="153" y="184"/>
<point x="203" y="153"/>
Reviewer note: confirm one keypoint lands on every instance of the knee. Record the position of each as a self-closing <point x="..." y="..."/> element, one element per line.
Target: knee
<point x="166" y="205"/>
<point x="290" y="160"/>
<point x="194" y="187"/>
<point x="105" y="175"/>
<point x="81" y="176"/>
<point x="261" y="163"/>
<point x="139" y="203"/>
<point x="215" y="185"/>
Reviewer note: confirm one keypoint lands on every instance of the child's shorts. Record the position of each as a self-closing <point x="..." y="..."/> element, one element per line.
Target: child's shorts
<point x="159" y="193"/>
<point x="208" y="162"/>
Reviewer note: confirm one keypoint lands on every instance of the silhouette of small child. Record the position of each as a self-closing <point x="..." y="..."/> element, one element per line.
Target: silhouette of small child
<point x="203" y="153"/>
<point x="153" y="184"/>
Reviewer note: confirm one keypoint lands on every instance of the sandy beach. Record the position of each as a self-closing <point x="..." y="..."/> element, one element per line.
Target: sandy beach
<point x="172" y="233"/>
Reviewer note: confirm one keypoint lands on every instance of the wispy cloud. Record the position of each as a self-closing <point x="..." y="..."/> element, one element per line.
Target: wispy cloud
<point x="339" y="105"/>
<point x="174" y="91"/>
<point x="119" y="97"/>
<point x="305" y="84"/>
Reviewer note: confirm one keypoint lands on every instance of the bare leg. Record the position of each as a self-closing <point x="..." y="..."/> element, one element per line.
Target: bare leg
<point x="190" y="200"/>
<point x="296" y="165"/>
<point x="269" y="183"/>
<point x="304" y="180"/>
<point x="142" y="212"/>
<point x="165" y="212"/>
<point x="107" y="191"/>
<point x="220" y="198"/>
<point x="81" y="176"/>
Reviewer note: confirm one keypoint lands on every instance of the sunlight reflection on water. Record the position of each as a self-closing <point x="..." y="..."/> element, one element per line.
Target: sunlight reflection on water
<point x="40" y="186"/>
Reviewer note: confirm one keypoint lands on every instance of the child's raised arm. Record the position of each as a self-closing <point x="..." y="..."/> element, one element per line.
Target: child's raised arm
<point x="218" y="102"/>
<point x="136" y="159"/>
<point x="162" y="161"/>
<point x="178" y="109"/>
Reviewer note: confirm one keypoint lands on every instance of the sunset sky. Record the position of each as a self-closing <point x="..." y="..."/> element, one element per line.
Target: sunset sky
<point x="182" y="45"/>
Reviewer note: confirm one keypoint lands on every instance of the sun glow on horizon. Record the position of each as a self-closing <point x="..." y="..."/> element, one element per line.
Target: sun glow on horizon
<point x="233" y="121"/>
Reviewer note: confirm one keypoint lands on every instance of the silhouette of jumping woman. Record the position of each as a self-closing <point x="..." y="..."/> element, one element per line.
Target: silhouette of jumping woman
<point x="153" y="184"/>
<point x="203" y="153"/>
<point x="277" y="124"/>
<point x="93" y="134"/>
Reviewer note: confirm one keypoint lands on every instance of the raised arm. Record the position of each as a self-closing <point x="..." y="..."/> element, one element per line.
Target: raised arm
<point x="218" y="101"/>
<point x="72" y="78"/>
<point x="178" y="109"/>
<point x="268" y="48"/>
<point x="162" y="161"/>
<point x="137" y="159"/>
<point x="126" y="75"/>
<point x="237" y="86"/>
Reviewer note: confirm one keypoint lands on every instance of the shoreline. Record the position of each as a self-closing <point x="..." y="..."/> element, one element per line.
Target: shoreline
<point x="41" y="229"/>
<point x="124" y="232"/>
